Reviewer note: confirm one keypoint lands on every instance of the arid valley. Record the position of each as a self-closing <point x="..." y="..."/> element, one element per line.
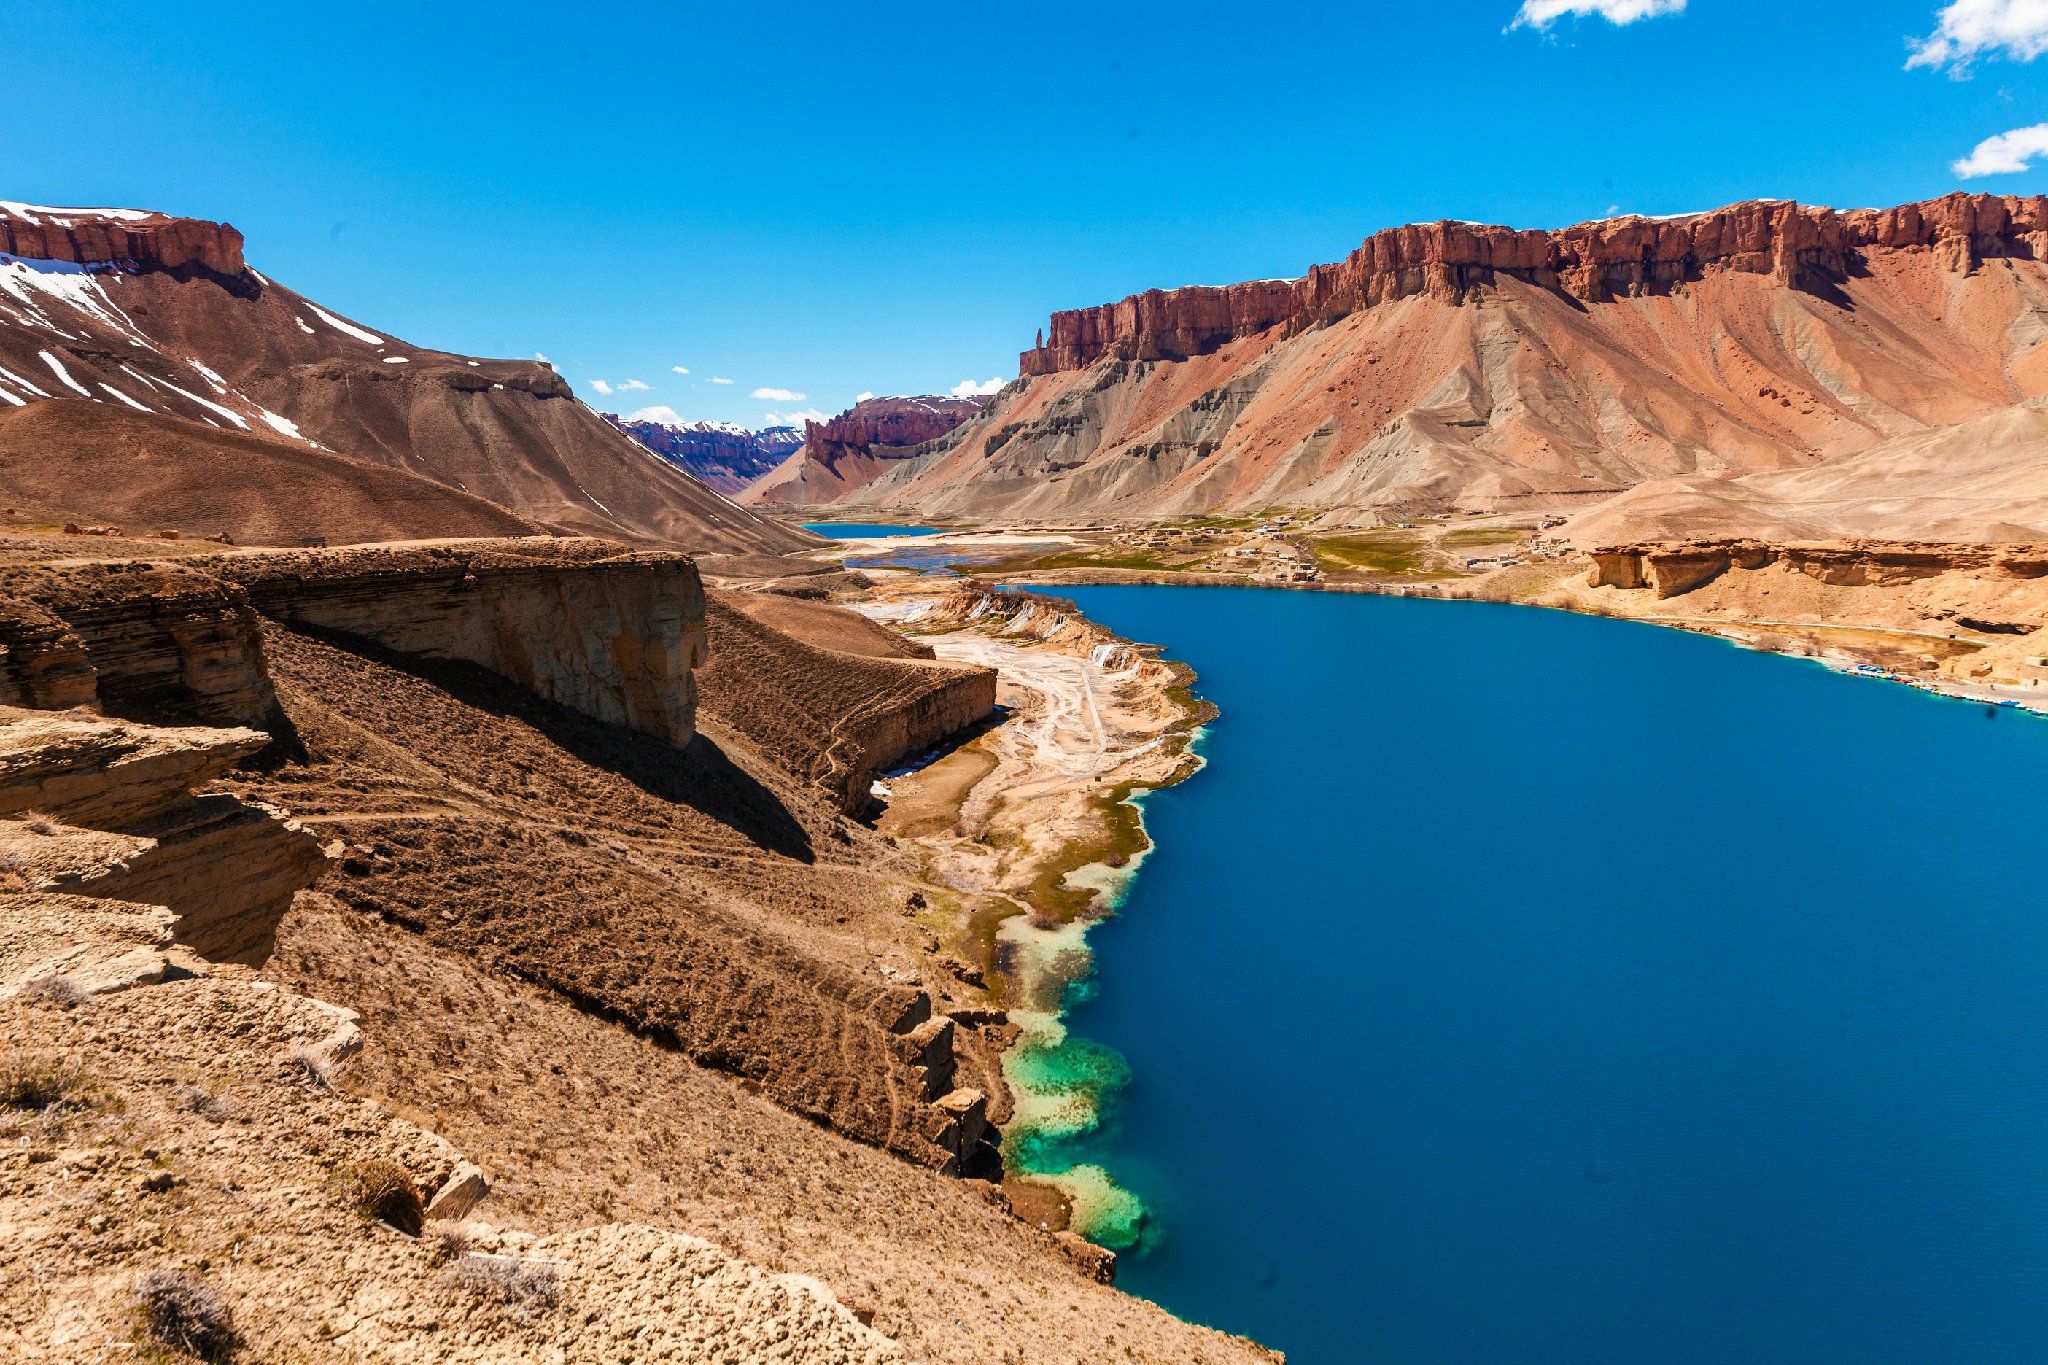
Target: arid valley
<point x="1461" y="803"/>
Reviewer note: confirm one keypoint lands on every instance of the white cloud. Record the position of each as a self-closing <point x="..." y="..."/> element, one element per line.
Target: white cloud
<point x="660" y="412"/>
<point x="2006" y="154"/>
<point x="717" y="379"/>
<point x="1544" y="13"/>
<point x="970" y="388"/>
<point x="792" y="419"/>
<point x="1968" y="29"/>
<point x="862" y="397"/>
<point x="780" y="395"/>
<point x="634" y="386"/>
<point x="543" y="359"/>
<point x="600" y="386"/>
<point x="680" y="369"/>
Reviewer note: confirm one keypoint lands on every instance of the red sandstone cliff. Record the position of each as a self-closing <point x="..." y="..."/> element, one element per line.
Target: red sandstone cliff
<point x="1450" y="366"/>
<point x="113" y="236"/>
<point x="1796" y="244"/>
<point x="846" y="452"/>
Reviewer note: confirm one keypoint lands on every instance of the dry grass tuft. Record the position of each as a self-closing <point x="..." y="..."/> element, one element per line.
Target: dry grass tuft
<point x="312" y="1067"/>
<point x="184" y="1313"/>
<point x="524" y="1287"/>
<point x="209" y="1106"/>
<point x="60" y="992"/>
<point x="37" y="1080"/>
<point x="39" y="823"/>
<point x="383" y="1192"/>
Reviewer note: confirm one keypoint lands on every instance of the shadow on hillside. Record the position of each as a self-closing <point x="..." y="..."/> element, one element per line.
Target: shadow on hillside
<point x="699" y="775"/>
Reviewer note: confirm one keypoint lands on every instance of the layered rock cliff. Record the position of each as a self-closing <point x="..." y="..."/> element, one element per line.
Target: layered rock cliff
<point x="148" y="241"/>
<point x="163" y="319"/>
<point x="105" y="809"/>
<point x="148" y="641"/>
<point x="612" y="634"/>
<point x="848" y="451"/>
<point x="1451" y="366"/>
<point x="1799" y="246"/>
<point x="1672" y="568"/>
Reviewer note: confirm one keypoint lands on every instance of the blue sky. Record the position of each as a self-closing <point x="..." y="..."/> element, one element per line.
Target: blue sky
<point x="826" y="200"/>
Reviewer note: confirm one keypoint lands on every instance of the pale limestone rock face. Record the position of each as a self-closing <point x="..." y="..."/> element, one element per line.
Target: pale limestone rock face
<point x="612" y="634"/>
<point x="104" y="809"/>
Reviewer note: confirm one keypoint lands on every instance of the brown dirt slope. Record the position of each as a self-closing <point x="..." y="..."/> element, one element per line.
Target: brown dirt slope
<point x="73" y="461"/>
<point x="829" y="715"/>
<point x="696" y="894"/>
<point x="1980" y="480"/>
<point x="827" y="626"/>
<point x="209" y="340"/>
<point x="578" y="1120"/>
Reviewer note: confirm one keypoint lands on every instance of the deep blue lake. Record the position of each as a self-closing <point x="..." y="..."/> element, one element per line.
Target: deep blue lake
<point x="862" y="530"/>
<point x="1522" y="987"/>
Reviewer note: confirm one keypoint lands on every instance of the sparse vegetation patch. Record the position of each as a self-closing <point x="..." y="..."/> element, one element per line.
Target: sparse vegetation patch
<point x="181" y="1312"/>
<point x="383" y="1192"/>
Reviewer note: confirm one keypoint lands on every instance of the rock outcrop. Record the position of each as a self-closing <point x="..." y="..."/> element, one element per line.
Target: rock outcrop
<point x="1671" y="568"/>
<point x="608" y="632"/>
<point x="144" y="640"/>
<point x="129" y="237"/>
<point x="605" y="630"/>
<point x="106" y="809"/>
<point x="848" y="451"/>
<point x="894" y="421"/>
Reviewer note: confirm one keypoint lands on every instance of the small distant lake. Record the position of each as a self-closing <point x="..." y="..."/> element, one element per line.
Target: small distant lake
<point x="932" y="559"/>
<point x="1515" y="986"/>
<point x="862" y="530"/>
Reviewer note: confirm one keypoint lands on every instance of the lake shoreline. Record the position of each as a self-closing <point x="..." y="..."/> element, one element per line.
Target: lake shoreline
<point x="1791" y="639"/>
<point x="1042" y="845"/>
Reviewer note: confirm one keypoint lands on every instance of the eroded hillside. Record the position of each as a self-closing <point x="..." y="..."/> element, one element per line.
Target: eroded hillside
<point x="645" y="978"/>
<point x="1451" y="365"/>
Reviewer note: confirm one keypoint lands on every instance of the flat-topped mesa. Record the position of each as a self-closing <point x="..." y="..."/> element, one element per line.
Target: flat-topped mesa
<point x="119" y="237"/>
<point x="898" y="422"/>
<point x="1610" y="258"/>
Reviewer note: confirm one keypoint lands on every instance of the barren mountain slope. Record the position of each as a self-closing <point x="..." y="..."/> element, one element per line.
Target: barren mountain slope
<point x="1453" y="365"/>
<point x="162" y="315"/>
<point x="1984" y="479"/>
<point x="68" y="460"/>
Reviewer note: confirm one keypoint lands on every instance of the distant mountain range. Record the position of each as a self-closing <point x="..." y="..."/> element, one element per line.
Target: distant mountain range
<point x="723" y="454"/>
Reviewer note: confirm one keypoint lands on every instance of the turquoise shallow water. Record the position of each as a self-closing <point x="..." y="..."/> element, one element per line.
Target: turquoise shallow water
<point x="863" y="530"/>
<point x="1517" y="986"/>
